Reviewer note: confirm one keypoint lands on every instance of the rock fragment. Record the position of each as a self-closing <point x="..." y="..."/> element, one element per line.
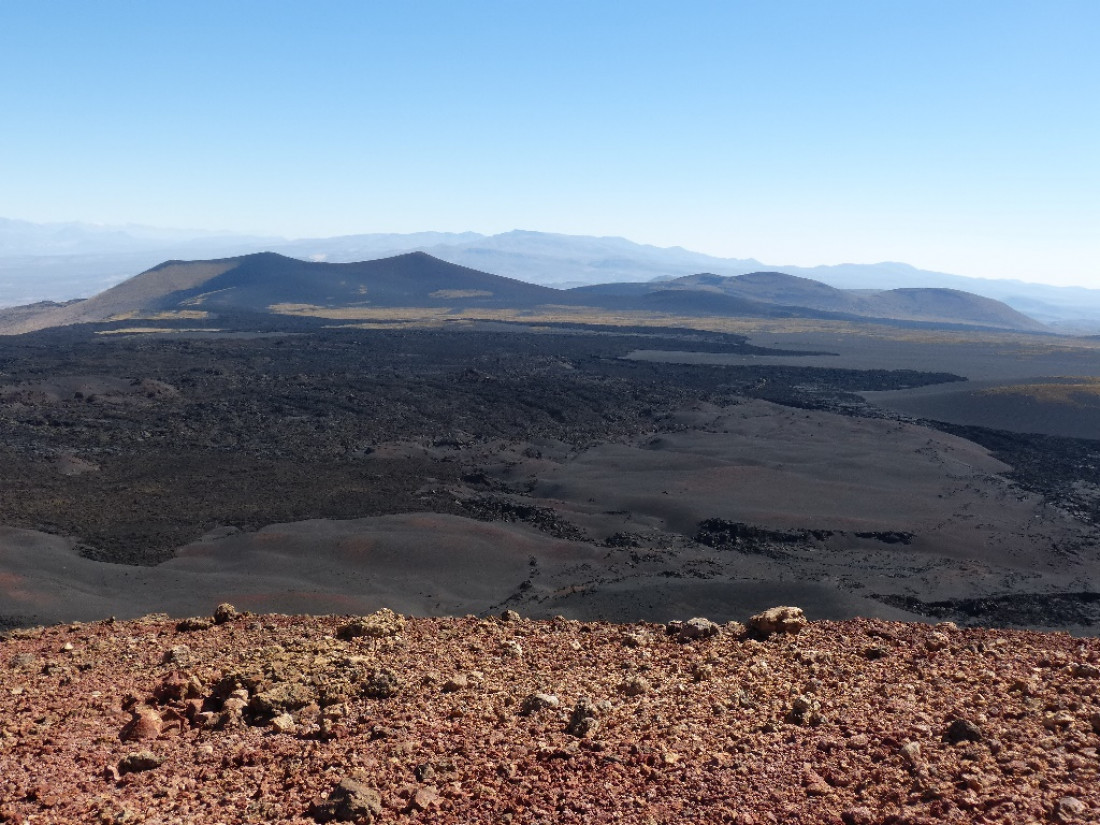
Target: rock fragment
<point x="861" y="815"/>
<point x="912" y="754"/>
<point x="139" y="761"/>
<point x="145" y="724"/>
<point x="635" y="686"/>
<point x="194" y="623"/>
<point x="1069" y="809"/>
<point x="225" y="612"/>
<point x="283" y="723"/>
<point x="510" y="616"/>
<point x="456" y="683"/>
<point x="805" y="710"/>
<point x="1085" y="670"/>
<point x="424" y="798"/>
<point x="937" y="640"/>
<point x="377" y="625"/>
<point x="350" y="801"/>
<point x="538" y="701"/>
<point x="583" y="721"/>
<point x="697" y="628"/>
<point x="778" y="620"/>
<point x="177" y="655"/>
<point x="962" y="730"/>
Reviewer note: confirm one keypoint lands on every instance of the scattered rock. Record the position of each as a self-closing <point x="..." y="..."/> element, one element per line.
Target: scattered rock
<point x="456" y="683"/>
<point x="912" y="754"/>
<point x="145" y="724"/>
<point x="1069" y="808"/>
<point x="194" y="623"/>
<point x="962" y="730"/>
<point x="805" y="710"/>
<point x="697" y="628"/>
<point x="283" y="723"/>
<point x="424" y="798"/>
<point x="1084" y="670"/>
<point x="538" y="701"/>
<point x="635" y="686"/>
<point x="736" y="629"/>
<point x="23" y="661"/>
<point x="140" y="761"/>
<point x="937" y="641"/>
<point x="350" y="801"/>
<point x="635" y="639"/>
<point x="583" y="721"/>
<point x="225" y="612"/>
<point x="701" y="671"/>
<point x="377" y="625"/>
<point x="381" y="684"/>
<point x="178" y="655"/>
<point x="280" y="698"/>
<point x="858" y="816"/>
<point x="510" y="616"/>
<point x="814" y="783"/>
<point x="778" y="620"/>
<point x="1058" y="721"/>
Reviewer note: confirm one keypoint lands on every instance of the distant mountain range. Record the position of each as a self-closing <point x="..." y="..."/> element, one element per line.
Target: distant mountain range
<point x="59" y="262"/>
<point x="267" y="283"/>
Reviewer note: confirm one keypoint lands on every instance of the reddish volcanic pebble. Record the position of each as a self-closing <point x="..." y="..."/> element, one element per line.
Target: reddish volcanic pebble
<point x="293" y="719"/>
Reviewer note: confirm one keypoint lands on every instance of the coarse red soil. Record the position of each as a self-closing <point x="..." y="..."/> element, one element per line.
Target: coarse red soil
<point x="258" y="718"/>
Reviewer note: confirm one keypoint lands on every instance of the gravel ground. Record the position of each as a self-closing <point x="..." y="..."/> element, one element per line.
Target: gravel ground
<point x="294" y="719"/>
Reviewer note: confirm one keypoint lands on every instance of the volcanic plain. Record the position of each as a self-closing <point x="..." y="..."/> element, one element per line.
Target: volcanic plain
<point x="591" y="471"/>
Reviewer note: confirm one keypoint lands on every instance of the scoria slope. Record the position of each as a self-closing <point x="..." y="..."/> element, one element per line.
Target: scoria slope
<point x="281" y="719"/>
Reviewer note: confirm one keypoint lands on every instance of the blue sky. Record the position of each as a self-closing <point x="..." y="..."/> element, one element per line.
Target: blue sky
<point x="958" y="136"/>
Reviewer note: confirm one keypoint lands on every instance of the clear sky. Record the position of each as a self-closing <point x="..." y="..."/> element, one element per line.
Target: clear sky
<point x="962" y="136"/>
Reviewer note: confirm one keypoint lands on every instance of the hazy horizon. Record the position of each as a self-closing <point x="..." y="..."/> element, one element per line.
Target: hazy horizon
<point x="956" y="139"/>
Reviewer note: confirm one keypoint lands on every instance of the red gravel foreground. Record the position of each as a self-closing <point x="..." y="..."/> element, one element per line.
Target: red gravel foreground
<point x="297" y="719"/>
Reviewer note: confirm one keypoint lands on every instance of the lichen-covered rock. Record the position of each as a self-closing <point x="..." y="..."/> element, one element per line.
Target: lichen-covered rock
<point x="381" y="684"/>
<point x="280" y="698"/>
<point x="538" y="701"/>
<point x="698" y="628"/>
<point x="377" y="625"/>
<point x="583" y="721"/>
<point x="225" y="612"/>
<point x="778" y="620"/>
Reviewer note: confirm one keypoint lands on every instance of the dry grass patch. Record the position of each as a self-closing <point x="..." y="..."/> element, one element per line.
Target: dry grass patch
<point x="1074" y="391"/>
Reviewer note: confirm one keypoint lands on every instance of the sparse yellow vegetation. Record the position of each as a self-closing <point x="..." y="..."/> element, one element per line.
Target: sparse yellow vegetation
<point x="181" y="314"/>
<point x="460" y="293"/>
<point x="152" y="330"/>
<point x="1074" y="391"/>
